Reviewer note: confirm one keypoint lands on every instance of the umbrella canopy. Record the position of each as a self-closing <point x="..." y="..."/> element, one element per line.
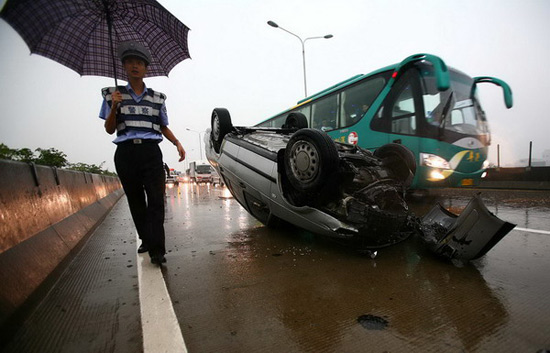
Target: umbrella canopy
<point x="84" y="34"/>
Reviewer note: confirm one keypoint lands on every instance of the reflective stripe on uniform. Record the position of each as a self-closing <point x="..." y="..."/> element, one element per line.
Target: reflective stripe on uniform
<point x="157" y="97"/>
<point x="135" y="123"/>
<point x="125" y="96"/>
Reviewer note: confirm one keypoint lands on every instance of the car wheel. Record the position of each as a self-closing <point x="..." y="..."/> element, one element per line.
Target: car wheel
<point x="310" y="157"/>
<point x="400" y="160"/>
<point x="295" y="120"/>
<point x="221" y="125"/>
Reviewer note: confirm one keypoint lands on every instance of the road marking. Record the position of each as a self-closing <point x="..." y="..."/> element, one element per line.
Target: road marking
<point x="533" y="230"/>
<point x="161" y="330"/>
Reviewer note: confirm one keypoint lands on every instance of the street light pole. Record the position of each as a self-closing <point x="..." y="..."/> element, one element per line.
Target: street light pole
<point x="200" y="146"/>
<point x="303" y="42"/>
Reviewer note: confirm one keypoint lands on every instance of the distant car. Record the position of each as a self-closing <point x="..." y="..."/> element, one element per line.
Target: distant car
<point x="184" y="178"/>
<point x="302" y="176"/>
<point x="200" y="172"/>
<point x="171" y="181"/>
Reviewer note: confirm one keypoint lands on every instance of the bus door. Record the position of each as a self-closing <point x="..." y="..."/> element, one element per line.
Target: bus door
<point x="399" y="115"/>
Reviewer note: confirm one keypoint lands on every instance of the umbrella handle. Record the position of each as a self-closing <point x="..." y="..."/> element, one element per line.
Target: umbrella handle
<point x="110" y="32"/>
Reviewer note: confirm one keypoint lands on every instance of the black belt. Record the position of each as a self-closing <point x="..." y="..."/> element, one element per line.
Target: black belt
<point x="138" y="141"/>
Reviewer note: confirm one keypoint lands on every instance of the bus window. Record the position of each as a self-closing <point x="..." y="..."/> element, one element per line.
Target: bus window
<point x="431" y="102"/>
<point x="278" y="121"/>
<point x="306" y="111"/>
<point x="464" y="119"/>
<point x="268" y="123"/>
<point x="457" y="117"/>
<point x="463" y="114"/>
<point x="398" y="114"/>
<point x="403" y="113"/>
<point x="357" y="99"/>
<point x="325" y="113"/>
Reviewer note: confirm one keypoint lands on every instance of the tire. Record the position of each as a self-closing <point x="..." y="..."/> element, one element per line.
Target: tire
<point x="221" y="126"/>
<point x="295" y="120"/>
<point x="400" y="160"/>
<point x="310" y="158"/>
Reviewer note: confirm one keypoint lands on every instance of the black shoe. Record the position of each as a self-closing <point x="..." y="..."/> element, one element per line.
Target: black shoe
<point x="158" y="259"/>
<point x="142" y="248"/>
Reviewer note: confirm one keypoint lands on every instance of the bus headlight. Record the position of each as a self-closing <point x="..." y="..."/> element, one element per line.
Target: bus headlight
<point x="486" y="164"/>
<point x="434" y="161"/>
<point x="436" y="175"/>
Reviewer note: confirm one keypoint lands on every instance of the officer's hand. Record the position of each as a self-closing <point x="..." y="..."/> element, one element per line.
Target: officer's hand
<point x="181" y="151"/>
<point x="116" y="99"/>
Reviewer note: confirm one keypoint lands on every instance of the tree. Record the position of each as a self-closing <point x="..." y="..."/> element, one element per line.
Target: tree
<point x="24" y="155"/>
<point x="51" y="157"/>
<point x="6" y="152"/>
<point x="90" y="168"/>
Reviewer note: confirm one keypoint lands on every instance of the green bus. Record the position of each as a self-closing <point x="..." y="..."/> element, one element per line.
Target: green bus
<point x="432" y="109"/>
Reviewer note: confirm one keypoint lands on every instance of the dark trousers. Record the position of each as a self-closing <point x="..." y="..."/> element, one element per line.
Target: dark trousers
<point x="141" y="172"/>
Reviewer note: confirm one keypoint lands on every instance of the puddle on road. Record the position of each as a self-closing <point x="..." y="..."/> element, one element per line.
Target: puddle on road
<point x="372" y="322"/>
<point x="262" y="241"/>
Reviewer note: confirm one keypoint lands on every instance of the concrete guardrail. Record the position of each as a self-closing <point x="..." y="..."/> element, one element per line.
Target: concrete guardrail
<point x="44" y="214"/>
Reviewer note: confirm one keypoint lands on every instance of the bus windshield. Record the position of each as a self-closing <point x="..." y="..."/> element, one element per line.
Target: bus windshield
<point x="456" y="109"/>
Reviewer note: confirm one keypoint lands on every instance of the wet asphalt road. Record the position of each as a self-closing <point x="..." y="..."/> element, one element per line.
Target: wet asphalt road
<point x="238" y="286"/>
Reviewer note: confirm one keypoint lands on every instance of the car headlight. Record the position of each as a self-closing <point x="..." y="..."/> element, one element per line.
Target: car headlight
<point x="434" y="161"/>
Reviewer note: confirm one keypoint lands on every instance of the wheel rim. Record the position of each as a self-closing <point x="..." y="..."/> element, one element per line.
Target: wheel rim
<point x="216" y="127"/>
<point x="304" y="161"/>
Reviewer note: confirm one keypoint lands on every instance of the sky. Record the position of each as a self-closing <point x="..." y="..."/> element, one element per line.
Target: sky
<point x="255" y="71"/>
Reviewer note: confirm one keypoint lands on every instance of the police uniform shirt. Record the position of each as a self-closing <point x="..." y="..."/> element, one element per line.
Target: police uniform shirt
<point x="135" y="134"/>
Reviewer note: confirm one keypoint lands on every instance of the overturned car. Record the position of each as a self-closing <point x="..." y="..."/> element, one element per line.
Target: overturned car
<point x="303" y="177"/>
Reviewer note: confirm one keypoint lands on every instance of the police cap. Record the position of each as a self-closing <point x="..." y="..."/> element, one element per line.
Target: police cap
<point x="135" y="49"/>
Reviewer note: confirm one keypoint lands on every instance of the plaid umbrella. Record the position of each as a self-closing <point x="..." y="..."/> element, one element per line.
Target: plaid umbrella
<point x="84" y="34"/>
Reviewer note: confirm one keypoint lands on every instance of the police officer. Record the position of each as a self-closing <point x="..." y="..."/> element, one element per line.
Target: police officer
<point x="138" y="115"/>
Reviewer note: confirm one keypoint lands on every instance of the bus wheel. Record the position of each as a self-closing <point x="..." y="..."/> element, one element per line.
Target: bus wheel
<point x="221" y="125"/>
<point x="310" y="157"/>
<point x="400" y="160"/>
<point x="295" y="120"/>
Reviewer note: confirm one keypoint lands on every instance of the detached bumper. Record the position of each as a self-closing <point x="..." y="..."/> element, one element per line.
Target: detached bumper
<point x="467" y="236"/>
